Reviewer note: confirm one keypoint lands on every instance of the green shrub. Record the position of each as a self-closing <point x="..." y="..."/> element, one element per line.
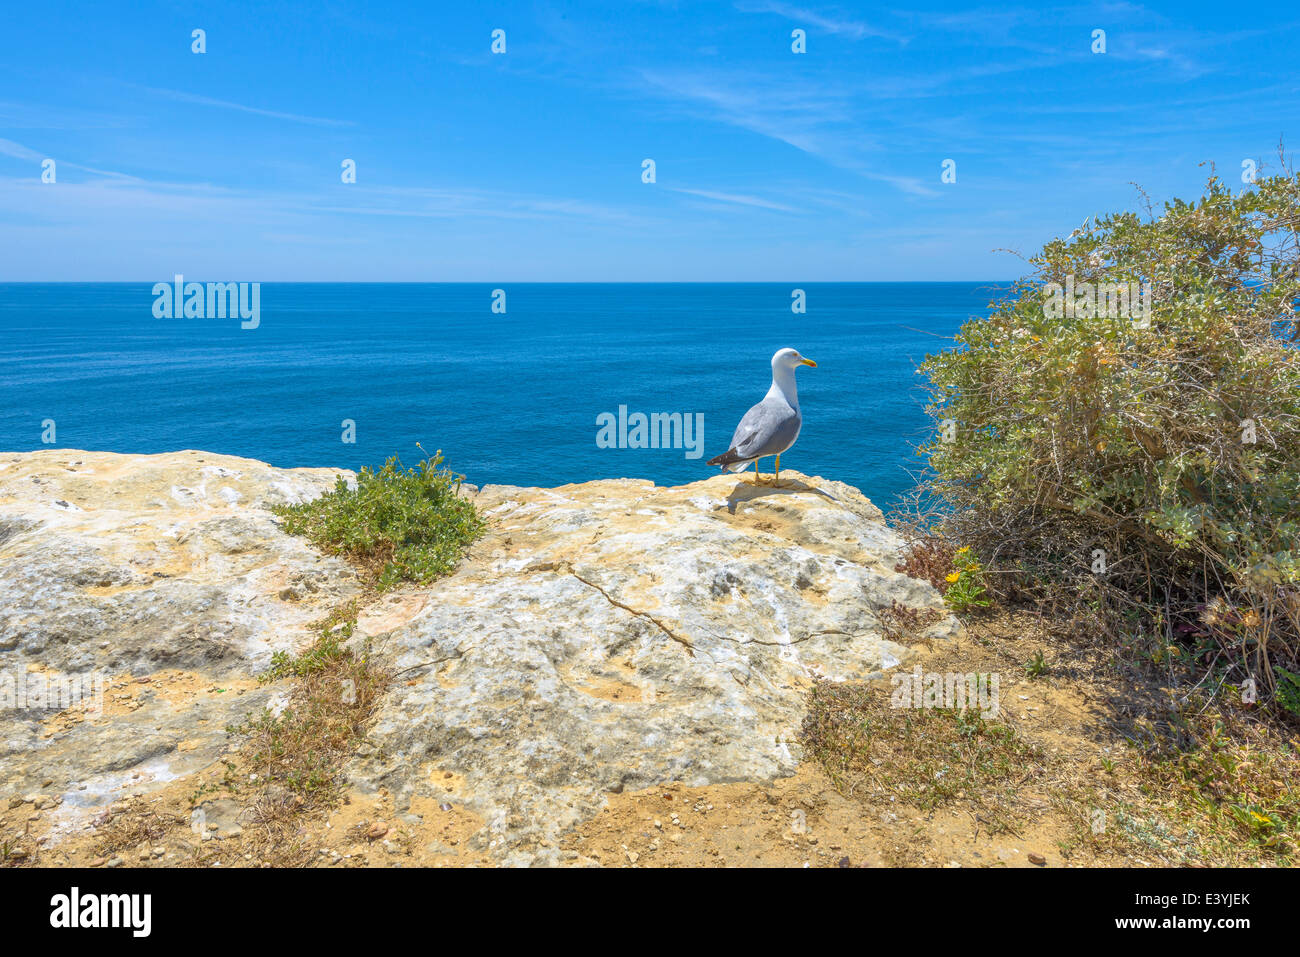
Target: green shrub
<point x="1151" y="467"/>
<point x="400" y="524"/>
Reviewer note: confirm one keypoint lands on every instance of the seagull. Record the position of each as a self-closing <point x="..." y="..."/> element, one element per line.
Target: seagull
<point x="770" y="427"/>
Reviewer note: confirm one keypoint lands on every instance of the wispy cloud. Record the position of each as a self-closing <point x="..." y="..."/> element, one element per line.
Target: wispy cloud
<point x="468" y="203"/>
<point x="908" y="184"/>
<point x="183" y="97"/>
<point x="42" y="116"/>
<point x="19" y="151"/>
<point x="821" y="121"/>
<point x="797" y="115"/>
<point x="739" y="199"/>
<point x="841" y="25"/>
<point x="1163" y="48"/>
<point x="207" y="202"/>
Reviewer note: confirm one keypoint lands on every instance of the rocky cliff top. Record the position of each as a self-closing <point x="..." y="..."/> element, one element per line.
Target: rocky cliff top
<point x="600" y="636"/>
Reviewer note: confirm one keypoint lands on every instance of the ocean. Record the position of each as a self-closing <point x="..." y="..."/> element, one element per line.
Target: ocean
<point x="509" y="397"/>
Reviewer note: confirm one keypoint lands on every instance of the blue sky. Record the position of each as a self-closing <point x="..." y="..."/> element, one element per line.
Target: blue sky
<point x="526" y="166"/>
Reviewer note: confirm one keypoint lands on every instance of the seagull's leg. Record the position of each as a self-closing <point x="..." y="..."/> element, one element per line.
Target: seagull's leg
<point x="777" y="479"/>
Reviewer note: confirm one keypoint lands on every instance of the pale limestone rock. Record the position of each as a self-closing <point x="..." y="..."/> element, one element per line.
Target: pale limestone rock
<point x="600" y="636"/>
<point x="614" y="635"/>
<point x="123" y="566"/>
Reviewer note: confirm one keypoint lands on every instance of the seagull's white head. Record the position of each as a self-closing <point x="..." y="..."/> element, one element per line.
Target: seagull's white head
<point x="790" y="359"/>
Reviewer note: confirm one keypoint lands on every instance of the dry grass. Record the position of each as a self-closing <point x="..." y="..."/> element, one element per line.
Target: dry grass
<point x="1099" y="750"/>
<point x="138" y="828"/>
<point x="901" y="624"/>
<point x="1223" y="791"/>
<point x="297" y="755"/>
<point x="927" y="758"/>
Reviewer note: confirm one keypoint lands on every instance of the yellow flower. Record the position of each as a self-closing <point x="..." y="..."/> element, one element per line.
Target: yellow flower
<point x="963" y="550"/>
<point x="954" y="576"/>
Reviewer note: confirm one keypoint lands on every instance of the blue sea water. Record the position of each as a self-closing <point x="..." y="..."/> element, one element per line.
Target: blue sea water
<point x="510" y="398"/>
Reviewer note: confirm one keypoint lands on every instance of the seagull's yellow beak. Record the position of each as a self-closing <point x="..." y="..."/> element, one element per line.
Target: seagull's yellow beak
<point x="807" y="362"/>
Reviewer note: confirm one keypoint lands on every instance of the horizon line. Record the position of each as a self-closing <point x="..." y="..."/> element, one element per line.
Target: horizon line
<point x="523" y="282"/>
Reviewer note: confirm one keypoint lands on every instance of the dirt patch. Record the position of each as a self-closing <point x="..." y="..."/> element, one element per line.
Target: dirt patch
<point x="800" y="821"/>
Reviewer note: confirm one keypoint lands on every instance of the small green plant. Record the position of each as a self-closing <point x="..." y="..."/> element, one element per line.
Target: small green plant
<point x="1262" y="825"/>
<point x="966" y="582"/>
<point x="401" y="524"/>
<point x="328" y="650"/>
<point x="334" y="691"/>
<point x="1288" y="690"/>
<point x="229" y="783"/>
<point x="1036" y="666"/>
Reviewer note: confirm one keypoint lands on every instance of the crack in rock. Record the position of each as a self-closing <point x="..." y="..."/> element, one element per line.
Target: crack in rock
<point x="684" y="642"/>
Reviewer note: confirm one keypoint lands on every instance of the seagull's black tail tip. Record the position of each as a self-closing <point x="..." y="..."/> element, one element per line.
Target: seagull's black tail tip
<point x="723" y="460"/>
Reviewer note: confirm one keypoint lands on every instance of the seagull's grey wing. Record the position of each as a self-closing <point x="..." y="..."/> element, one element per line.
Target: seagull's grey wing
<point x="769" y="428"/>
